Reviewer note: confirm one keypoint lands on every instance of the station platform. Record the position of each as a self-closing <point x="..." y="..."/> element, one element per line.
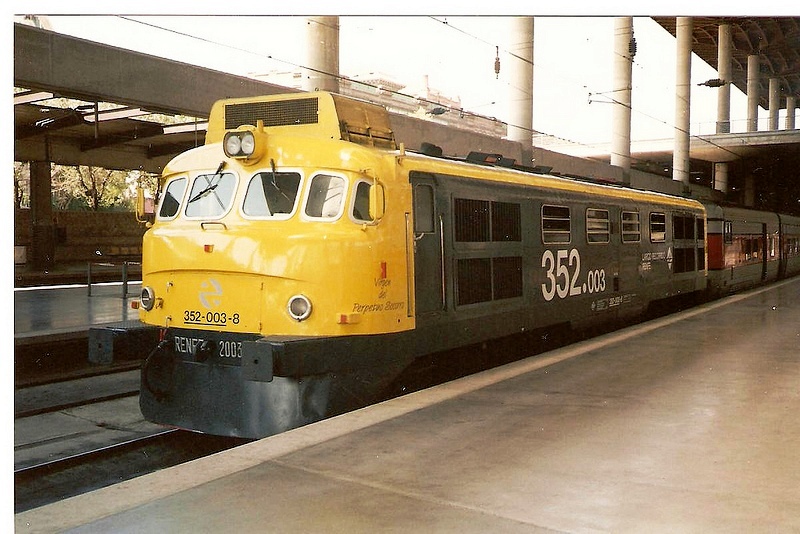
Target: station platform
<point x="687" y="423"/>
<point x="69" y="310"/>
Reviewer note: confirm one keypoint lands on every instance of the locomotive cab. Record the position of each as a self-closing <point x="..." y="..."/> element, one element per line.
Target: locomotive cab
<point x="271" y="242"/>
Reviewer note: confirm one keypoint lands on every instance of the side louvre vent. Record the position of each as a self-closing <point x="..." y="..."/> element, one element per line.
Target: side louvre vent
<point x="278" y="113"/>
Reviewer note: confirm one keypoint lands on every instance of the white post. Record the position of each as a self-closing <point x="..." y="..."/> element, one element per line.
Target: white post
<point x="621" y="112"/>
<point x="724" y="71"/>
<point x="322" y="72"/>
<point x="774" y="103"/>
<point x="791" y="107"/>
<point x="520" y="82"/>
<point x="683" y="91"/>
<point x="752" y="92"/>
<point x="721" y="176"/>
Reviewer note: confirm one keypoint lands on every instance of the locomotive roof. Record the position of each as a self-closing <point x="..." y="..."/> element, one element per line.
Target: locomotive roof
<point x="332" y="116"/>
<point x="516" y="176"/>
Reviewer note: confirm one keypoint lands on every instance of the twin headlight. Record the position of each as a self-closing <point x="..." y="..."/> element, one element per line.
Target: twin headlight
<point x="240" y="144"/>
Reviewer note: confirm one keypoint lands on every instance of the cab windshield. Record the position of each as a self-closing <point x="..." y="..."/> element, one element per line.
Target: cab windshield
<point x="271" y="194"/>
<point x="211" y="195"/>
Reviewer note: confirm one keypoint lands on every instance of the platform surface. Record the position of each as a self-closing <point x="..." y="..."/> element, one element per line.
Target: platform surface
<point x="64" y="310"/>
<point x="684" y="424"/>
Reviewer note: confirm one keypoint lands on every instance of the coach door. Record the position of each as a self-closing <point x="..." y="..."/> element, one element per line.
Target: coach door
<point x="428" y="246"/>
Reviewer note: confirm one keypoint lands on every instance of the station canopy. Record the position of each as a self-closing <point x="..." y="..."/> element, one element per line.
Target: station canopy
<point x="776" y="41"/>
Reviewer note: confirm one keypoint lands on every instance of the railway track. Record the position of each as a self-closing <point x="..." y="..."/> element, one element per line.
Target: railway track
<point x="52" y="481"/>
<point x="80" y="431"/>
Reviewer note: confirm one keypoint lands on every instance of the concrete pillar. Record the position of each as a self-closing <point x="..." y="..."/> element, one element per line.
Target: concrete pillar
<point x="791" y="108"/>
<point x="774" y="103"/>
<point x="520" y="81"/>
<point x="721" y="176"/>
<point x="322" y="40"/>
<point x="753" y="72"/>
<point x="621" y="87"/>
<point x="725" y="74"/>
<point x="683" y="88"/>
<point x="42" y="226"/>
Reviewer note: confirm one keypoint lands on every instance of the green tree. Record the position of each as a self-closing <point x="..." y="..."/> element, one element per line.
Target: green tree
<point x="87" y="187"/>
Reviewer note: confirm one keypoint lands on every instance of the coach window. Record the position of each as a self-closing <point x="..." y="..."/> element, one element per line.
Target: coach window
<point x="556" y="226"/>
<point x="727" y="232"/>
<point x="683" y="227"/>
<point x="658" y="227"/>
<point x="631" y="227"/>
<point x="325" y="195"/>
<point x="271" y="194"/>
<point x="597" y="226"/>
<point x="211" y="195"/>
<point x="171" y="202"/>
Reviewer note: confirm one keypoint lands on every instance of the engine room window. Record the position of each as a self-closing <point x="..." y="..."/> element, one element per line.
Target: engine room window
<point x="658" y="227"/>
<point x="631" y="227"/>
<point x="597" y="226"/>
<point x="556" y="226"/>
<point x="361" y="202"/>
<point x="211" y="195"/>
<point x="171" y="201"/>
<point x="271" y="194"/>
<point x="325" y="195"/>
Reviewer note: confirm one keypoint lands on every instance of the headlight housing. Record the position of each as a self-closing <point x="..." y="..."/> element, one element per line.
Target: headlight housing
<point x="147" y="298"/>
<point x="299" y="307"/>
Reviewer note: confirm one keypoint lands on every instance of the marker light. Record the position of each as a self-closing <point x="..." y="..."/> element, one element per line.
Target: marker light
<point x="299" y="307"/>
<point x="148" y="298"/>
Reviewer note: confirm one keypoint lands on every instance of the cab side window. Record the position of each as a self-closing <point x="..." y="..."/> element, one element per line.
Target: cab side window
<point x="325" y="196"/>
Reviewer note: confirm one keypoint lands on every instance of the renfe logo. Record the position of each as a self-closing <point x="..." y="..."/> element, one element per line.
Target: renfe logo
<point x="210" y="291"/>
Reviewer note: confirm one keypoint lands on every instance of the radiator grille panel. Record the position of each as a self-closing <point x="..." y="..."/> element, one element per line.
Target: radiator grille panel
<point x="279" y="113"/>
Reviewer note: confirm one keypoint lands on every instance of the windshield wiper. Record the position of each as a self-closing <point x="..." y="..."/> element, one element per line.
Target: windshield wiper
<point x="210" y="187"/>
<point x="274" y="182"/>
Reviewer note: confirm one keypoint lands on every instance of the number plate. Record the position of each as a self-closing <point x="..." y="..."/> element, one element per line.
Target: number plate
<point x="210" y="318"/>
<point x="220" y="348"/>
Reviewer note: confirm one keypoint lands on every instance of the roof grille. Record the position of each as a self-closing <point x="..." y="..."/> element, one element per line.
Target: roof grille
<point x="278" y="113"/>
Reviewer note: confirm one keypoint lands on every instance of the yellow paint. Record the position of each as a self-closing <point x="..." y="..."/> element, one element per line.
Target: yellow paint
<point x="237" y="275"/>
